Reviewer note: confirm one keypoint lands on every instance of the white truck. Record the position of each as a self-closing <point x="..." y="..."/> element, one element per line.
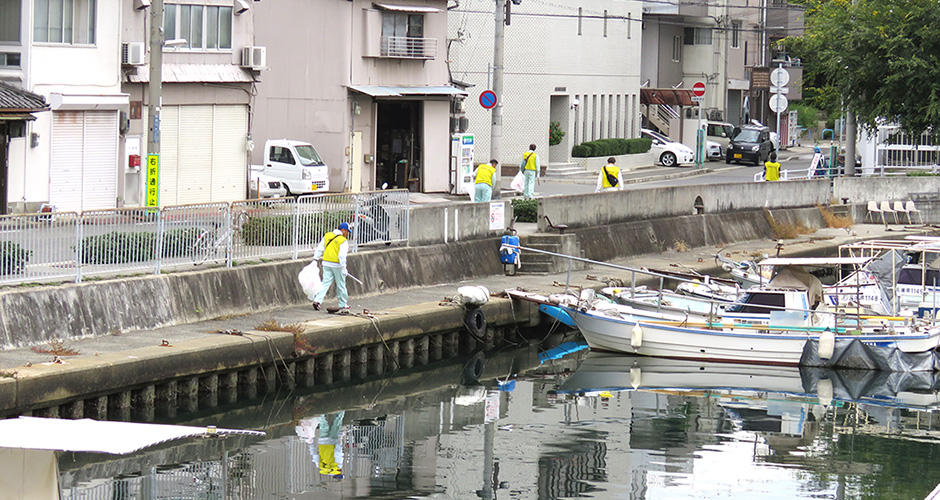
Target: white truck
<point x="296" y="164"/>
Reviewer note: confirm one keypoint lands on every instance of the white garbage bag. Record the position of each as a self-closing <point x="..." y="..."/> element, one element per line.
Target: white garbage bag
<point x="518" y="182"/>
<point x="309" y="278"/>
<point x="475" y="295"/>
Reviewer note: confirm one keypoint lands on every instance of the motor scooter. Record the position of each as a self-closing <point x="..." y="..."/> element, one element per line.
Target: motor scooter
<point x="373" y="222"/>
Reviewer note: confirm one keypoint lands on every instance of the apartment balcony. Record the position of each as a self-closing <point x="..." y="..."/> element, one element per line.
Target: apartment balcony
<point x="406" y="47"/>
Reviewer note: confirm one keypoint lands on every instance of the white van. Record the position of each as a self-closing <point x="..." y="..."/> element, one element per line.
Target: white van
<point x="296" y="164"/>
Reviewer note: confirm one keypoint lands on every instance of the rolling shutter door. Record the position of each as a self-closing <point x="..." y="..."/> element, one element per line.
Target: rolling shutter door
<point x="65" y="172"/>
<point x="195" y="155"/>
<point x="229" y="159"/>
<point x="203" y="157"/>
<point x="83" y="167"/>
<point x="99" y="178"/>
<point x="169" y="157"/>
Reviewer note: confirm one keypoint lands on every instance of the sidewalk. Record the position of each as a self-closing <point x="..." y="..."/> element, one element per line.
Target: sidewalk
<point x="823" y="241"/>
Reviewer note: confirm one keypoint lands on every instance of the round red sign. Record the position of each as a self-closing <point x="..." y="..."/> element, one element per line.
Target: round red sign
<point x="698" y="89"/>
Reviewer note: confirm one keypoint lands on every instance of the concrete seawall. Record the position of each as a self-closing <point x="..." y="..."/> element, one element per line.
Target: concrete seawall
<point x="31" y="316"/>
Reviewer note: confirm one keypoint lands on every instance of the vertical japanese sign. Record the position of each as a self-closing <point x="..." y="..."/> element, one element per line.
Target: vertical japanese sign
<point x="153" y="181"/>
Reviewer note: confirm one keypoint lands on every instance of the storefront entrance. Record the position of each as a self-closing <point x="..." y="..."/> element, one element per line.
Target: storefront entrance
<point x="398" y="145"/>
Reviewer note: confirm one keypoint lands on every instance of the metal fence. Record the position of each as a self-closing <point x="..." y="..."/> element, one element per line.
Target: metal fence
<point x="69" y="246"/>
<point x="897" y="152"/>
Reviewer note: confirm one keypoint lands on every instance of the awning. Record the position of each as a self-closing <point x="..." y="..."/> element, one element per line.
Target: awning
<point x="194" y="73"/>
<point x="96" y="436"/>
<point x="407" y="8"/>
<point x="381" y="91"/>
<point x="64" y="102"/>
<point x="672" y="97"/>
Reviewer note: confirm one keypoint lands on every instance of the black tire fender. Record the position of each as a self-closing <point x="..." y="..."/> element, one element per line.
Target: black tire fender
<point x="475" y="321"/>
<point x="473" y="370"/>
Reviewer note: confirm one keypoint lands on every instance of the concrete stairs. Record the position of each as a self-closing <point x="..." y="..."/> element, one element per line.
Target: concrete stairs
<point x="569" y="170"/>
<point x="539" y="263"/>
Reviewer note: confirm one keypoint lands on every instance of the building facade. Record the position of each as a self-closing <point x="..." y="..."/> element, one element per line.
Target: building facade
<point x="578" y="65"/>
<point x="365" y="82"/>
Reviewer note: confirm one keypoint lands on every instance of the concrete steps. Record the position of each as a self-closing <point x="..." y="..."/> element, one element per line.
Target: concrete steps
<point x="539" y="263"/>
<point x="567" y="171"/>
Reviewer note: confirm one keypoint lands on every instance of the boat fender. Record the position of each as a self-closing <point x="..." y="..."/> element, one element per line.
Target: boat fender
<point x="475" y="321"/>
<point x="473" y="370"/>
<point x="636" y="376"/>
<point x="824" y="391"/>
<point x="636" y="337"/>
<point x="827" y="344"/>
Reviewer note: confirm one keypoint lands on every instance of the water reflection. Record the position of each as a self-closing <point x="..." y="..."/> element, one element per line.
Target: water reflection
<point x="541" y="424"/>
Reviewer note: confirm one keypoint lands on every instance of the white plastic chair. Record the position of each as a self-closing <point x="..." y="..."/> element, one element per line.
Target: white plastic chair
<point x="899" y="208"/>
<point x="911" y="209"/>
<point x="873" y="209"/>
<point x="886" y="208"/>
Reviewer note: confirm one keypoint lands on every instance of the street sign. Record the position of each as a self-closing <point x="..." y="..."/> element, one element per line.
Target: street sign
<point x="778" y="103"/>
<point x="488" y="99"/>
<point x="779" y="77"/>
<point x="698" y="98"/>
<point x="698" y="89"/>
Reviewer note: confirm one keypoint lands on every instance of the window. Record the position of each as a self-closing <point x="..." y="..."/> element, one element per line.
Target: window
<point x="735" y="34"/>
<point x="10" y="21"/>
<point x="676" y="48"/>
<point x="10" y="59"/>
<point x="698" y="36"/>
<point x="65" y="21"/>
<point x="759" y="303"/>
<point x="203" y="27"/>
<point x="403" y="36"/>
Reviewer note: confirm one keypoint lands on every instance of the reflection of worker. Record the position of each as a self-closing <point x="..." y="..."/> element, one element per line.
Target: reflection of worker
<point x="483" y="188"/>
<point x="530" y="167"/>
<point x="772" y="168"/>
<point x="325" y="449"/>
<point x="609" y="178"/>
<point x="333" y="249"/>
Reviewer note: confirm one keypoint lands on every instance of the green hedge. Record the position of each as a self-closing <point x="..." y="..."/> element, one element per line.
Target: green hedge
<point x="13" y="257"/>
<point x="119" y="247"/>
<point x="276" y="230"/>
<point x="525" y="210"/>
<point x="611" y="147"/>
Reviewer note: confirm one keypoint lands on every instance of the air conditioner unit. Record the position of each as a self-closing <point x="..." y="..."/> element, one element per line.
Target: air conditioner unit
<point x="253" y="57"/>
<point x="132" y="53"/>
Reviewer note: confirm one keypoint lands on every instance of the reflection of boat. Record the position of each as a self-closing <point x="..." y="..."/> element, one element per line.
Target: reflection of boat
<point x="615" y="372"/>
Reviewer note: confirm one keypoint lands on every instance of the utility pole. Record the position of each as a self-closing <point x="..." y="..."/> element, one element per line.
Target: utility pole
<point x="154" y="103"/>
<point x="496" y="128"/>
<point x="850" y="130"/>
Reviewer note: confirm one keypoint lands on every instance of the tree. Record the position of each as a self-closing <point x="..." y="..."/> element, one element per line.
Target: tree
<point x="881" y="58"/>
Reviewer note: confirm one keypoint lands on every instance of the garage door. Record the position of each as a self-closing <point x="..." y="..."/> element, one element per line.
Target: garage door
<point x="84" y="164"/>
<point x="203" y="154"/>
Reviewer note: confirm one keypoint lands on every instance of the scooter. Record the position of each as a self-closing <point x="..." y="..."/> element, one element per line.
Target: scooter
<point x="373" y="221"/>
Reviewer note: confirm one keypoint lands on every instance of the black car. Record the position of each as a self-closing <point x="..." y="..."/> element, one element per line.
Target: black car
<point x="749" y="143"/>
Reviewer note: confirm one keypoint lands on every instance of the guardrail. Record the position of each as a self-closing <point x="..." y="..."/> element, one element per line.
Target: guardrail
<point x="71" y="246"/>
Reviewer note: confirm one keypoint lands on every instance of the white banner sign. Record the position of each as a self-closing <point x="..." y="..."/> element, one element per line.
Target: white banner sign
<point x="497" y="216"/>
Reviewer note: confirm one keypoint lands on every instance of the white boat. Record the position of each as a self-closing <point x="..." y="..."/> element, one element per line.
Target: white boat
<point x="609" y="330"/>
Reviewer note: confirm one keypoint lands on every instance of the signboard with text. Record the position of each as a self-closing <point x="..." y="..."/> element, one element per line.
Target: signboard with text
<point x="152" y="191"/>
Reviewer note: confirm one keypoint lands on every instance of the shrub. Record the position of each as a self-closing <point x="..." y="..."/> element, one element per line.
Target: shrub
<point x="611" y="147"/>
<point x="120" y="247"/>
<point x="13" y="257"/>
<point x="555" y="134"/>
<point x="525" y="210"/>
<point x="276" y="230"/>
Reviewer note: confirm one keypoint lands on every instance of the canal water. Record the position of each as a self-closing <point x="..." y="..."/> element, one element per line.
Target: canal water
<point x="526" y="423"/>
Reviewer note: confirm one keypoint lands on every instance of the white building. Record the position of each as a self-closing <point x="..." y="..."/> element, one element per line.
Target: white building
<point x="578" y="65"/>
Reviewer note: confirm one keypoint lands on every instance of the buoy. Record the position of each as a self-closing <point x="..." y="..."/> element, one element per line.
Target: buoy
<point x="636" y="376"/>
<point x="827" y="344"/>
<point x="636" y="339"/>
<point x="824" y="391"/>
